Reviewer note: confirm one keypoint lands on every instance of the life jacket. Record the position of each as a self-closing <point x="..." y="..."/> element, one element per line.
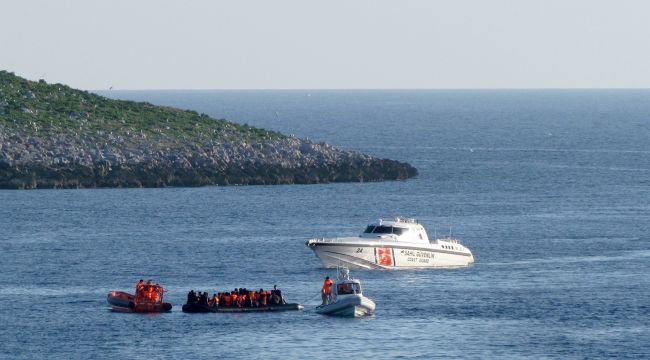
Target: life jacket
<point x="148" y="292"/>
<point x="157" y="293"/>
<point x="327" y="286"/>
<point x="227" y="300"/>
<point x="263" y="298"/>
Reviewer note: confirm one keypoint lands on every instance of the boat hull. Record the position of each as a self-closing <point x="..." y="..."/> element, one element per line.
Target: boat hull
<point x="121" y="299"/>
<point x="196" y="308"/>
<point x="350" y="306"/>
<point x="387" y="256"/>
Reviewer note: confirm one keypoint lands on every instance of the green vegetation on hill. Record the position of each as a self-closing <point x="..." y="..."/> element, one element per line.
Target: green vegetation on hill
<point x="53" y="136"/>
<point x="47" y="110"/>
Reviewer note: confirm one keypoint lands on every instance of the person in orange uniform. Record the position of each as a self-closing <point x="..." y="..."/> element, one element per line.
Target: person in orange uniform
<point x="149" y="293"/>
<point x="241" y="299"/>
<point x="157" y="295"/>
<point x="262" y="297"/>
<point x="326" y="294"/>
<point x="139" y="286"/>
<point x="235" y="298"/>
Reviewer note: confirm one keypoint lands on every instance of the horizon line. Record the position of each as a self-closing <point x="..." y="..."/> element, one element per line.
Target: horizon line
<point x="376" y="89"/>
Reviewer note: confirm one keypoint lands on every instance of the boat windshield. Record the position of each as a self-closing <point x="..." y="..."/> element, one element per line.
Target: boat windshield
<point x="381" y="229"/>
<point x="348" y="288"/>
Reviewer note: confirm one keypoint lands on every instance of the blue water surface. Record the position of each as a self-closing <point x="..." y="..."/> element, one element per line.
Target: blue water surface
<point x="549" y="189"/>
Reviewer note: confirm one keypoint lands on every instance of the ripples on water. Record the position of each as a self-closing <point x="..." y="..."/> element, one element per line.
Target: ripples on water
<point x="549" y="189"/>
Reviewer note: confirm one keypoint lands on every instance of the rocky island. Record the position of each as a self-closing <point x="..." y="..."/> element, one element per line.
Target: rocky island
<point x="53" y="136"/>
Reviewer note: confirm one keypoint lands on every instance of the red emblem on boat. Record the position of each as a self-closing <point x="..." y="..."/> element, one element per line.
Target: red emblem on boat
<point x="385" y="256"/>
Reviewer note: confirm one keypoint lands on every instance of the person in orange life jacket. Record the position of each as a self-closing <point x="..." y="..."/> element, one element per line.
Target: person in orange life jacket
<point x="155" y="295"/>
<point x="159" y="292"/>
<point x="235" y="298"/>
<point x="243" y="295"/>
<point x="138" y="286"/>
<point x="262" y="297"/>
<point x="326" y="293"/>
<point x="147" y="291"/>
<point x="144" y="294"/>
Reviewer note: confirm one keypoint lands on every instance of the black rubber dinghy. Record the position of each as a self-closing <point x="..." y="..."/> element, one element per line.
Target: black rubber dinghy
<point x="198" y="308"/>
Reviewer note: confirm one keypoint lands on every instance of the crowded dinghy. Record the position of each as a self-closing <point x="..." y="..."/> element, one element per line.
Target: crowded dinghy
<point x="238" y="300"/>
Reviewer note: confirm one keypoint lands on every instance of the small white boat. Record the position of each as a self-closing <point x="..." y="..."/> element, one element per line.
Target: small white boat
<point x="398" y="243"/>
<point x="348" y="298"/>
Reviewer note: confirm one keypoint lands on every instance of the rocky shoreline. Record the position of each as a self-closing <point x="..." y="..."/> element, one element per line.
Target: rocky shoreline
<point x="53" y="136"/>
<point x="64" y="161"/>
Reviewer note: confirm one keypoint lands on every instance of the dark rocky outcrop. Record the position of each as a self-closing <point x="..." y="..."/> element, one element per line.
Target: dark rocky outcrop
<point x="52" y="136"/>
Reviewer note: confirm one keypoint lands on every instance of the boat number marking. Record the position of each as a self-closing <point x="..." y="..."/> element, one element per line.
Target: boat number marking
<point x="359" y="250"/>
<point x="417" y="256"/>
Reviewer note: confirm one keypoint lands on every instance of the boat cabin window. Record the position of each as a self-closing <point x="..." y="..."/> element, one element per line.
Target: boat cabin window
<point x="399" y="231"/>
<point x="369" y="229"/>
<point x="381" y="229"/>
<point x="348" y="288"/>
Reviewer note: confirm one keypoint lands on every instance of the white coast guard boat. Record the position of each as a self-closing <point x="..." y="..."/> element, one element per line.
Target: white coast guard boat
<point x="348" y="298"/>
<point x="398" y="243"/>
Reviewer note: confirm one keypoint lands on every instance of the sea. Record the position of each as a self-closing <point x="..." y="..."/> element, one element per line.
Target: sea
<point x="550" y="189"/>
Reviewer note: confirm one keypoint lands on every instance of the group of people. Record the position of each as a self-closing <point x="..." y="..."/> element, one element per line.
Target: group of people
<point x="148" y="292"/>
<point x="238" y="298"/>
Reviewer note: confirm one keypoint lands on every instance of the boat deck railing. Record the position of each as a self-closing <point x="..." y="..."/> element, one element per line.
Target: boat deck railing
<point x="335" y="240"/>
<point x="406" y="220"/>
<point x="449" y="239"/>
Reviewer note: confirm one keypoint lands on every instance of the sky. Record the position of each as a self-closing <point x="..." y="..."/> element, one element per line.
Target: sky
<point x="330" y="44"/>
